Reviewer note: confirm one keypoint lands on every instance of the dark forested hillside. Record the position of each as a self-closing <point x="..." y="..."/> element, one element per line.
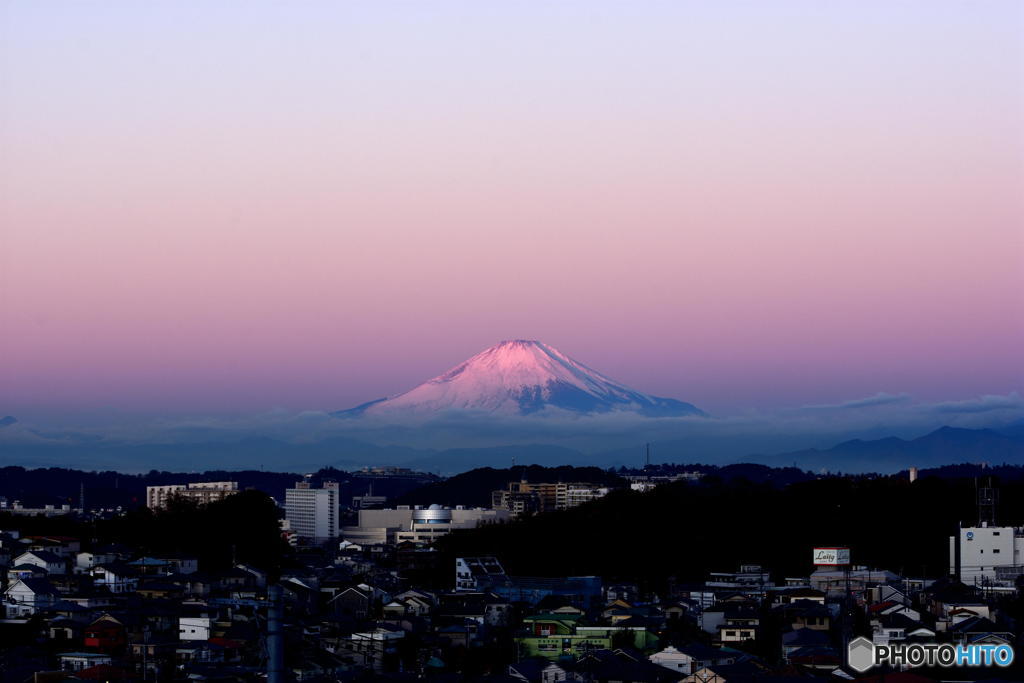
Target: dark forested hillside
<point x="685" y="530"/>
<point x="242" y="528"/>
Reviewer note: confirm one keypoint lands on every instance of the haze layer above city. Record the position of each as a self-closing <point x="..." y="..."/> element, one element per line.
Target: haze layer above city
<point x="598" y="226"/>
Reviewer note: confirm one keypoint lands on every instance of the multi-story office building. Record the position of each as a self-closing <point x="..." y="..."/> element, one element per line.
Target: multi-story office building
<point x="313" y="513"/>
<point x="202" y="492"/>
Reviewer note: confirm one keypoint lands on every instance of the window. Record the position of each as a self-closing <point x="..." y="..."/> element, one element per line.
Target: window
<point x="996" y="550"/>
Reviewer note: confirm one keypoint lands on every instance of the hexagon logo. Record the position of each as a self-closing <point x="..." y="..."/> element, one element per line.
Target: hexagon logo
<point x="860" y="654"/>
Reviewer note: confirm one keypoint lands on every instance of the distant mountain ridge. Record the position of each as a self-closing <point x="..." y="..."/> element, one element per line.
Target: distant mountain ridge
<point x="521" y="377"/>
<point x="944" y="446"/>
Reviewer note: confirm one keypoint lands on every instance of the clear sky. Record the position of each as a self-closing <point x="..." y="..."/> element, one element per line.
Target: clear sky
<point x="233" y="206"/>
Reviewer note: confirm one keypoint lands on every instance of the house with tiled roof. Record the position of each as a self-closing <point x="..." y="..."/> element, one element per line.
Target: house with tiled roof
<point x="51" y="562"/>
<point x="25" y="571"/>
<point x="898" y="627"/>
<point x="116" y="577"/>
<point x="106" y="634"/>
<point x="980" y="630"/>
<point x="25" y="597"/>
<point x="685" y="659"/>
<point x="79" y="661"/>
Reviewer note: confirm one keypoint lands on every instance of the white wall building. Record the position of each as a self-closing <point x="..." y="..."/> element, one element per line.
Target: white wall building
<point x="114" y="578"/>
<point x="988" y="554"/>
<point x="469" y="569"/>
<point x="86" y="560"/>
<point x="194" y="628"/>
<point x="417" y="523"/>
<point x="51" y="562"/>
<point x="313" y="513"/>
<point x="25" y="597"/>
<point x="691" y="658"/>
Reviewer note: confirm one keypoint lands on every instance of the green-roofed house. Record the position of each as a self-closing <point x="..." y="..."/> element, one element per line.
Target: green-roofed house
<point x="558" y="635"/>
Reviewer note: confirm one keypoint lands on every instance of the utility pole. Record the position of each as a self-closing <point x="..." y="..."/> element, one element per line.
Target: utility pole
<point x="956" y="553"/>
<point x="275" y="636"/>
<point x="846" y="626"/>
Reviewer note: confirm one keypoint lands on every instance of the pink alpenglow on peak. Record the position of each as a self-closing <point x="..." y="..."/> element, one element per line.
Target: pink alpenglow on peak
<point x="521" y="377"/>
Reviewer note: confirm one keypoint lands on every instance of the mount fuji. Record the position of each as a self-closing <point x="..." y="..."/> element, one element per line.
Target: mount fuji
<point x="521" y="377"/>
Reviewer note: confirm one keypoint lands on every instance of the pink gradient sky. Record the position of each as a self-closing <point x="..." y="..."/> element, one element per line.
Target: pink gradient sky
<point x="237" y="206"/>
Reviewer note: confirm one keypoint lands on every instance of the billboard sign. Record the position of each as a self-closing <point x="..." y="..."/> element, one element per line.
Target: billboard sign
<point x="831" y="557"/>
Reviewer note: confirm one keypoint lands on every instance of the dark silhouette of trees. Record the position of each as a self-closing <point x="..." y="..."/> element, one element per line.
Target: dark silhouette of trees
<point x="240" y="528"/>
<point x="685" y="530"/>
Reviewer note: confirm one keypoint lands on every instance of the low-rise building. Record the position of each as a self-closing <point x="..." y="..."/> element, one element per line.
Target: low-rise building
<point x="106" y="634"/>
<point x="475" y="573"/>
<point x="115" y="577"/>
<point x="51" y="562"/>
<point x="26" y="597"/>
<point x="194" y="628"/>
<point x="835" y="581"/>
<point x="63" y="546"/>
<point x="88" y="559"/>
<point x="417" y="524"/>
<point x="16" y="508"/>
<point x="688" y="659"/>
<point x="79" y="661"/>
<point x="553" y="636"/>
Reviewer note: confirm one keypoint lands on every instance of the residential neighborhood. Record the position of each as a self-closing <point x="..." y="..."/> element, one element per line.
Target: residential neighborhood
<point x="355" y="605"/>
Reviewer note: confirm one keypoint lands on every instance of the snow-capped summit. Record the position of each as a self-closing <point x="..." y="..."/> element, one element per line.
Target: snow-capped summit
<point x="520" y="377"/>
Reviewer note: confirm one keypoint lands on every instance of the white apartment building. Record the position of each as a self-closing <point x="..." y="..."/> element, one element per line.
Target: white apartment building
<point x="203" y="492"/>
<point x="313" y="513"/>
<point x="988" y="554"/>
<point x="578" y="494"/>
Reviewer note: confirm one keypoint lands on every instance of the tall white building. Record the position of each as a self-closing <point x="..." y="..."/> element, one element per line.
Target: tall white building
<point x="313" y="513"/>
<point x="988" y="554"/>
